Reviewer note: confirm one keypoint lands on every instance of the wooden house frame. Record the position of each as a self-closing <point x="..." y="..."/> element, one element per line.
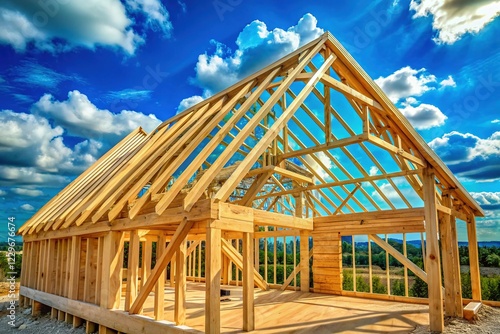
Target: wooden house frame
<point x="307" y="148"/>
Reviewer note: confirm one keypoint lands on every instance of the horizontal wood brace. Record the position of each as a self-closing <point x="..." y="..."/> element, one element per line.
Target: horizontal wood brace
<point x="324" y="147"/>
<point x="341" y="183"/>
<point x="118" y="320"/>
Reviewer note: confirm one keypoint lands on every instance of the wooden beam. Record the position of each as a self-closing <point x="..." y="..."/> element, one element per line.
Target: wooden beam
<point x="397" y="150"/>
<point x="180" y="234"/>
<point x="208" y="149"/>
<point x="263" y="218"/>
<point x="323" y="147"/>
<point x="74" y="267"/>
<point x="346" y="90"/>
<point x="159" y="303"/>
<point x="341" y="183"/>
<point x="475" y="275"/>
<point x="133" y="269"/>
<point x="304" y="261"/>
<point x="243" y="168"/>
<point x="248" y="283"/>
<point x="116" y="319"/>
<point x="400" y="257"/>
<point x="111" y="280"/>
<point x="213" y="277"/>
<point x="180" y="284"/>
<point x="377" y="216"/>
<point x="433" y="264"/>
<point x="451" y="283"/>
<point x="237" y="259"/>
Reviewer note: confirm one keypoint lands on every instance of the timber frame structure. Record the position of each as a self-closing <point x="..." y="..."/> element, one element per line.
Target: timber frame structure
<point x="308" y="148"/>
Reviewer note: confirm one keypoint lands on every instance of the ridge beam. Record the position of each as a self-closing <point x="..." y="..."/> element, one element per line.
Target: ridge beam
<point x="344" y="89"/>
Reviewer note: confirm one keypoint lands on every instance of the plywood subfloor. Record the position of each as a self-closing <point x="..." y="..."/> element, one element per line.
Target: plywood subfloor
<point x="300" y="312"/>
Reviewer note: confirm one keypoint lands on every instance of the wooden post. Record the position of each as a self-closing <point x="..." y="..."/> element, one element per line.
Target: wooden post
<point x="147" y="252"/>
<point x="304" y="261"/>
<point x="459" y="307"/>
<point x="248" y="283"/>
<point x="432" y="252"/>
<point x="475" y="276"/>
<point x="90" y="270"/>
<point x="450" y="261"/>
<point x="133" y="268"/>
<point x="160" y="284"/>
<point x="112" y="262"/>
<point x="180" y="284"/>
<point x="74" y="274"/>
<point x="212" y="278"/>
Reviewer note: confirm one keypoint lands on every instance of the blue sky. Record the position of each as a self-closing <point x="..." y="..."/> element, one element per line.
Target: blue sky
<point x="75" y="77"/>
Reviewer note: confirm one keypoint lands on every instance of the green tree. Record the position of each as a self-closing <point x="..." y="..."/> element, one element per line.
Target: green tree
<point x="377" y="285"/>
<point x="398" y="287"/>
<point x="419" y="288"/>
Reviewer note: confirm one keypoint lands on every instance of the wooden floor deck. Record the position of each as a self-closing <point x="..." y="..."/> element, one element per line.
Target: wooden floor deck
<point x="299" y="312"/>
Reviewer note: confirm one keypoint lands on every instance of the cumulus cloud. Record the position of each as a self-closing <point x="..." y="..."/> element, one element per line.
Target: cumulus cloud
<point x="487" y="200"/>
<point x="17" y="176"/>
<point x="423" y="116"/>
<point x="326" y="162"/>
<point x="32" y="147"/>
<point x="27" y="192"/>
<point x="373" y="170"/>
<point x="448" y="82"/>
<point x="60" y="26"/>
<point x="454" y="18"/>
<point x="470" y="156"/>
<point x="406" y="82"/>
<point x="189" y="102"/>
<point x="257" y="47"/>
<point x="27" y="207"/>
<point x="495" y="121"/>
<point x="78" y="116"/>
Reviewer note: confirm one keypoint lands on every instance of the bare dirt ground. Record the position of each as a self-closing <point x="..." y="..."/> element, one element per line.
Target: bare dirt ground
<point x="487" y="322"/>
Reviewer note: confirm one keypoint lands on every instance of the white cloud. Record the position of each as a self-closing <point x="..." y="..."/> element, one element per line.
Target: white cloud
<point x="487" y="198"/>
<point x="16" y="176"/>
<point x="448" y="82"/>
<point x="33" y="74"/>
<point x="454" y="18"/>
<point x="82" y="118"/>
<point x="156" y="14"/>
<point x="373" y="170"/>
<point x="58" y="26"/>
<point x="32" y="148"/>
<point x="27" y="207"/>
<point x="189" y="102"/>
<point x="423" y="116"/>
<point x="325" y="160"/>
<point x="257" y="47"/>
<point x="406" y="82"/>
<point x="28" y="140"/>
<point x="470" y="156"/>
<point x="27" y="192"/>
<point x="2" y="192"/>
<point x="495" y="121"/>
